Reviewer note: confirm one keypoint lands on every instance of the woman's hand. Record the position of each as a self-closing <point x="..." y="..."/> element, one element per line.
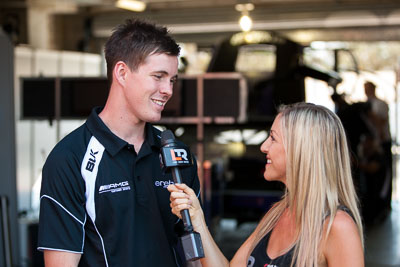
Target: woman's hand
<point x="183" y="197"/>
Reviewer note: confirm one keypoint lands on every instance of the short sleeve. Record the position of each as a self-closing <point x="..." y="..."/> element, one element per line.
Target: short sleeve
<point x="62" y="204"/>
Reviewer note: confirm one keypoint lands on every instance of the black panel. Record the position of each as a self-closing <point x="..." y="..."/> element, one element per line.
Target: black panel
<point x="221" y="98"/>
<point x="38" y="98"/>
<point x="80" y="96"/>
<point x="189" y="96"/>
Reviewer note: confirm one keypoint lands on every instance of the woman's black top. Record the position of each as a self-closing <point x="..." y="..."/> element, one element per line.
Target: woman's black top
<point x="260" y="258"/>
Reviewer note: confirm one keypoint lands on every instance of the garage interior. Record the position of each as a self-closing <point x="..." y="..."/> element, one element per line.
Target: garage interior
<point x="339" y="44"/>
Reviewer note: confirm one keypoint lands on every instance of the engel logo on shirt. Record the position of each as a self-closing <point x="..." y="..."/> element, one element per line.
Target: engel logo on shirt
<point x="115" y="187"/>
<point x="163" y="184"/>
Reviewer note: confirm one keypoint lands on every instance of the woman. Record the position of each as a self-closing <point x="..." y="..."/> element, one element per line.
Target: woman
<point x="317" y="222"/>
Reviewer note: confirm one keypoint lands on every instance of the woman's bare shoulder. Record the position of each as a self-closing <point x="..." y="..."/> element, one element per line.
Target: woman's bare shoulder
<point x="343" y="244"/>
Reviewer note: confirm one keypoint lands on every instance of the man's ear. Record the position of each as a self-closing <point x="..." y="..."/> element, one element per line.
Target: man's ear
<point x="120" y="72"/>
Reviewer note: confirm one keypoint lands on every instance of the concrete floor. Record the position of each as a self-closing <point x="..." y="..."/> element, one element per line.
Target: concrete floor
<point x="382" y="241"/>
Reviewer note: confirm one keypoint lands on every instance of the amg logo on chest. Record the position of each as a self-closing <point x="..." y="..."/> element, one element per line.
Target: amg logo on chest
<point x="115" y="187"/>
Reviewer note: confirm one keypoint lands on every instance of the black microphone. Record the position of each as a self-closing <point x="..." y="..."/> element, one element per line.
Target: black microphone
<point x="172" y="157"/>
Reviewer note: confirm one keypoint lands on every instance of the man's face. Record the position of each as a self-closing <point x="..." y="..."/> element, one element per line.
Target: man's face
<point x="149" y="87"/>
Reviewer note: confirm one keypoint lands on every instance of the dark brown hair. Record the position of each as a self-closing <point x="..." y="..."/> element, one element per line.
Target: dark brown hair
<point x="133" y="41"/>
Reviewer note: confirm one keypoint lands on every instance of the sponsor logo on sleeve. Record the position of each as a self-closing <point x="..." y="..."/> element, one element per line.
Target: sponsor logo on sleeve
<point x="91" y="161"/>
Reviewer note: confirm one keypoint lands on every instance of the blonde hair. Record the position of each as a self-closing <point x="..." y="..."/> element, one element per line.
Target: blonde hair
<point x="318" y="179"/>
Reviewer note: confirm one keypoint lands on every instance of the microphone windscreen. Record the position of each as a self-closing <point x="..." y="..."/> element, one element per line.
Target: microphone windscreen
<point x="166" y="137"/>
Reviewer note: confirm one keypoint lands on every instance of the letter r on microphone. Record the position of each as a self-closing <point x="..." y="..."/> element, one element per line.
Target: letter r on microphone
<point x="178" y="154"/>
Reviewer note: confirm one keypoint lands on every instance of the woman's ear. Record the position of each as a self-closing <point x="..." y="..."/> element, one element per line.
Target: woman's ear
<point x="120" y="72"/>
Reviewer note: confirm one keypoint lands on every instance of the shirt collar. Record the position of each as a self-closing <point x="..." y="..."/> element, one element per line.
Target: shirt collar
<point x="153" y="136"/>
<point x="112" y="143"/>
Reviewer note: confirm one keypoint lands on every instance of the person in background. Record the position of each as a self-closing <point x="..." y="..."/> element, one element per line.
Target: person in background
<point x="380" y="110"/>
<point x="379" y="117"/>
<point x="104" y="200"/>
<point x="317" y="222"/>
<point x="355" y="120"/>
<point x="371" y="162"/>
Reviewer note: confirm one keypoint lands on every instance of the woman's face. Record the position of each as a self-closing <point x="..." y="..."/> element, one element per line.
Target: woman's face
<point x="275" y="168"/>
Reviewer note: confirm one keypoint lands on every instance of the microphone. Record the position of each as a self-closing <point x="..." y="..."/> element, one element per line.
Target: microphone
<point x="172" y="157"/>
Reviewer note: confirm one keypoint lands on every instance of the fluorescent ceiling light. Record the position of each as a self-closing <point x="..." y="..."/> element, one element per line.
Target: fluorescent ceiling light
<point x="242" y="7"/>
<point x="246" y="136"/>
<point x="132" y="5"/>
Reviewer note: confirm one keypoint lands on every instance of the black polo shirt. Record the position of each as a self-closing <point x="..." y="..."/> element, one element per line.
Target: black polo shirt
<point x="102" y="200"/>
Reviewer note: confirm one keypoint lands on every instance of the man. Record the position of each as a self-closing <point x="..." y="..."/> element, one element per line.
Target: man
<point x="104" y="200"/>
<point x="379" y="117"/>
<point x="380" y="113"/>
